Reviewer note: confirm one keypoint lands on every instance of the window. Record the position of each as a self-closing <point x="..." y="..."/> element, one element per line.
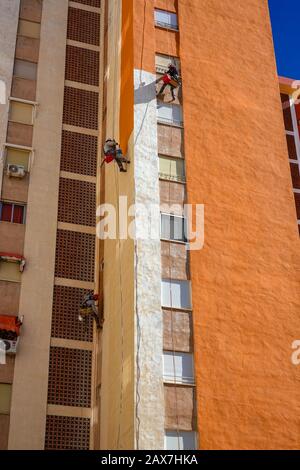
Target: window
<point x="162" y="63"/>
<point x="21" y="112"/>
<point x="24" y="69"/>
<point x="16" y="156"/>
<point x="166" y="19"/>
<point x="172" y="227"/>
<point x="171" y="168"/>
<point x="178" y="367"/>
<point x="181" y="440"/>
<point x="5" y="398"/>
<point x="169" y="113"/>
<point x="29" y="29"/>
<point x="176" y="294"/>
<point x="10" y="272"/>
<point x="10" y="212"/>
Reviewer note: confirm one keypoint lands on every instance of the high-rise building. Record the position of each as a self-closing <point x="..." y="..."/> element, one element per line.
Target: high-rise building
<point x="195" y="349"/>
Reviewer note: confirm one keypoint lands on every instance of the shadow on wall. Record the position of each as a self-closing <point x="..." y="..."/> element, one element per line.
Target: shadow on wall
<point x="145" y="93"/>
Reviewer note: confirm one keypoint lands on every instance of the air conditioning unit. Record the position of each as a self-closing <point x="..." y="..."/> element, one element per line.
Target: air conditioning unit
<point x="17" y="171"/>
<point x="10" y="346"/>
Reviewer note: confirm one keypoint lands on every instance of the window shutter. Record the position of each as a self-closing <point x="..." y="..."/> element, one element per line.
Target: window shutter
<point x="6" y="212"/>
<point x="5" y="398"/>
<point x="18" y="157"/>
<point x="21" y="112"/>
<point x="18" y="214"/>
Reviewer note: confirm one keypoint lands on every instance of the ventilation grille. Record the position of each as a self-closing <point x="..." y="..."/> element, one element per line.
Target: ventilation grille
<point x="79" y="153"/>
<point x="80" y="108"/>
<point x="66" y="433"/>
<point x="84" y="26"/>
<point x="75" y="255"/>
<point x="82" y="65"/>
<point x="77" y="202"/>
<point x="65" y="313"/>
<point x="70" y="372"/>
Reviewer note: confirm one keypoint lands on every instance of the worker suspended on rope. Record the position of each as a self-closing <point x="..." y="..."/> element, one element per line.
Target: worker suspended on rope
<point x="112" y="151"/>
<point x="172" y="79"/>
<point x="88" y="308"/>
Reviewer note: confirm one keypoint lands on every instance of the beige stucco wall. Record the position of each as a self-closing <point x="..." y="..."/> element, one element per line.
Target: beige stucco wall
<point x="8" y="30"/>
<point x="12" y="237"/>
<point x="117" y="406"/>
<point x="29" y="398"/>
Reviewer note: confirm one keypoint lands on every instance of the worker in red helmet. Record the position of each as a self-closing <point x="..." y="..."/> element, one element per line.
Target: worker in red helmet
<point x="112" y="151"/>
<point x="89" y="308"/>
<point x="172" y="79"/>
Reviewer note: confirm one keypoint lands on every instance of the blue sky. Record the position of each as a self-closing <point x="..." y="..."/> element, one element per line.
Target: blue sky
<point x="286" y="33"/>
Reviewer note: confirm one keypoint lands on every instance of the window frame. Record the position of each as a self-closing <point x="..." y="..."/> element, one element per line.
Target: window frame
<point x="177" y="378"/>
<point x="30" y="151"/>
<point x="171" y="122"/>
<point x="188" y="306"/>
<point x="171" y="59"/>
<point x="162" y="24"/>
<point x="33" y="105"/>
<point x="180" y="434"/>
<point x="168" y="177"/>
<point x="13" y="204"/>
<point x="31" y="67"/>
<point x="172" y="217"/>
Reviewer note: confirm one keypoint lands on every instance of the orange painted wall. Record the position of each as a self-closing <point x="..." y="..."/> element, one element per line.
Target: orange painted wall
<point x="245" y="284"/>
<point x="169" y="5"/>
<point x="167" y="42"/>
<point x="127" y="85"/>
<point x="144" y="35"/>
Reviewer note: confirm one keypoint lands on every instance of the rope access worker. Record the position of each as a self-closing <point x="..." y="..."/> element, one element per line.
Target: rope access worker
<point x="89" y="308"/>
<point x="112" y="151"/>
<point x="172" y="79"/>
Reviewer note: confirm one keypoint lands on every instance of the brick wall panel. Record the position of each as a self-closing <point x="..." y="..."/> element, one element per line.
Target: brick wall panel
<point x="67" y="433"/>
<point x="81" y="108"/>
<point x="70" y="372"/>
<point x="31" y="10"/>
<point x="77" y="202"/>
<point x="75" y="254"/>
<point x="19" y="134"/>
<point x="79" y="153"/>
<point x="174" y="261"/>
<point x="28" y="49"/>
<point x="84" y="26"/>
<point x="177" y="330"/>
<point x="179" y="408"/>
<point x="172" y="193"/>
<point x="170" y="141"/>
<point x="91" y="3"/>
<point x="82" y="65"/>
<point x="65" y="324"/>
